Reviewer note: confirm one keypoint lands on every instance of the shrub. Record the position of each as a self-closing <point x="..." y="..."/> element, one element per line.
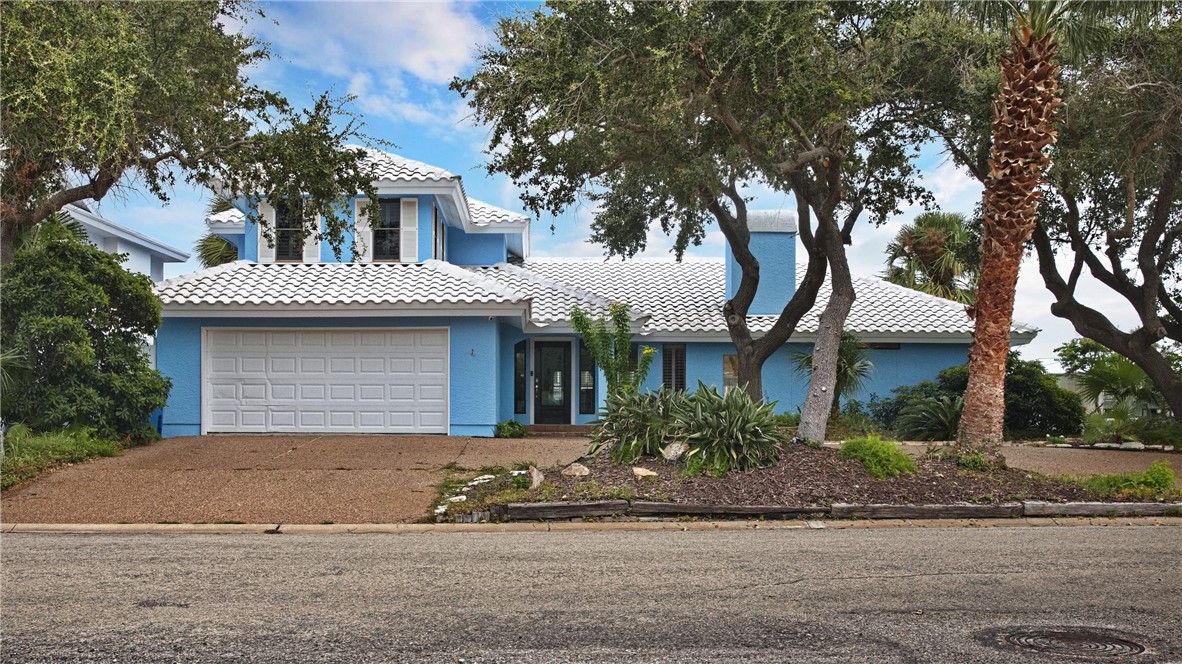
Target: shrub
<point x="79" y="320"/>
<point x="1157" y="430"/>
<point x="1112" y="426"/>
<point x="1157" y="479"/>
<point x="27" y="455"/>
<point x="788" y="419"/>
<point x="886" y="412"/>
<point x="930" y="419"/>
<point x="729" y="431"/>
<point x="609" y="340"/>
<point x="509" y="429"/>
<point x="635" y="424"/>
<point x="882" y="459"/>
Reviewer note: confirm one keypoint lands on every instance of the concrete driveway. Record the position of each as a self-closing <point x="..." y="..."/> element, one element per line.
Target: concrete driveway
<point x="269" y="479"/>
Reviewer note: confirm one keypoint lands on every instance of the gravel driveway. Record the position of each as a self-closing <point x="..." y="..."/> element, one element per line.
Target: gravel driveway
<point x="269" y="479"/>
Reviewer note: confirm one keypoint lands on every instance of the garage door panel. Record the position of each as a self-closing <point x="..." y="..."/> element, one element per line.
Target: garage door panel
<point x="343" y="381"/>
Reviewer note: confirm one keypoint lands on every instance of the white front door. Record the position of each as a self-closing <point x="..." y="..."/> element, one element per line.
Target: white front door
<point x="325" y="380"/>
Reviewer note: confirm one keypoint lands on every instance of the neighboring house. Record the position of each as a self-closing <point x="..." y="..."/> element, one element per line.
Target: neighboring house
<point x="443" y="323"/>
<point x="144" y="255"/>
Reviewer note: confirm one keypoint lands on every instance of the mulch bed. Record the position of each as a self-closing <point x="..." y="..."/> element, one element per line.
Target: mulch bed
<point x="806" y="477"/>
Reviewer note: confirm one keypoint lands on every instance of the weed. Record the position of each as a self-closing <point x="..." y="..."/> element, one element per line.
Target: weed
<point x="509" y="429"/>
<point x="27" y="454"/>
<point x="1157" y="481"/>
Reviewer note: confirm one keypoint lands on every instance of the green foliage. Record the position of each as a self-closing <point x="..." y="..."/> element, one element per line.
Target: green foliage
<point x="213" y="250"/>
<point x="853" y="367"/>
<point x="974" y="461"/>
<point x="637" y="424"/>
<point x="788" y="420"/>
<point x="930" y="419"/>
<point x="609" y="339"/>
<point x="58" y="226"/>
<point x="1159" y="478"/>
<point x="80" y="321"/>
<point x="1035" y="404"/>
<point x="936" y="254"/>
<point x="153" y="92"/>
<point x="881" y="458"/>
<point x="27" y="455"/>
<point x="729" y="431"/>
<point x="509" y="429"/>
<point x="1112" y="426"/>
<point x="1157" y="430"/>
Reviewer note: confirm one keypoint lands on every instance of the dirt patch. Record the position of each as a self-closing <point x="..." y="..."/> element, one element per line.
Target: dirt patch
<point x="804" y="477"/>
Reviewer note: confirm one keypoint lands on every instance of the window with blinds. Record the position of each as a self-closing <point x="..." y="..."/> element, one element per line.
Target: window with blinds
<point x="289" y="241"/>
<point x="673" y="366"/>
<point x="387" y="245"/>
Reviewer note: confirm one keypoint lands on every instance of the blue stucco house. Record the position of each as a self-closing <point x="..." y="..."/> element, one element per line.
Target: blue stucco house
<point x="443" y="322"/>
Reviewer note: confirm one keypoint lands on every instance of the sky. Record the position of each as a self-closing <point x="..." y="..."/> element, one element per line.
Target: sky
<point x="397" y="59"/>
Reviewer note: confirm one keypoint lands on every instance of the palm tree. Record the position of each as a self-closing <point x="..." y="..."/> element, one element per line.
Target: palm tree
<point x="936" y="254"/>
<point x="214" y="249"/>
<point x="1118" y="377"/>
<point x="853" y="367"/>
<point x="1023" y="133"/>
<point x="57" y="226"/>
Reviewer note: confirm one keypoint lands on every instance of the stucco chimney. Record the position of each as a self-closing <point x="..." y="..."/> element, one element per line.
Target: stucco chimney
<point x="773" y="241"/>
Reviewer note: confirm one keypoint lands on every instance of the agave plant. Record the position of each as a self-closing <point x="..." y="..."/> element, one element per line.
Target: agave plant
<point x="930" y="419"/>
<point x="636" y="424"/>
<point x="728" y="431"/>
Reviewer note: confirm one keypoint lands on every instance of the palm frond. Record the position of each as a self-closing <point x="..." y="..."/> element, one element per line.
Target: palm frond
<point x="213" y="250"/>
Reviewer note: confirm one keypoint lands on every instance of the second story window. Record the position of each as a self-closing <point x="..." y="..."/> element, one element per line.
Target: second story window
<point x="289" y="245"/>
<point x="386" y="237"/>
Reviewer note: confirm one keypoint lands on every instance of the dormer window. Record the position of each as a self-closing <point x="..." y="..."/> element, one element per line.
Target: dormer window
<point x="387" y="240"/>
<point x="289" y="246"/>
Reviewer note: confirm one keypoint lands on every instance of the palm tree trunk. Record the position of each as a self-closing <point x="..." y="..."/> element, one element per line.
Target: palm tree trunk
<point x="1023" y="128"/>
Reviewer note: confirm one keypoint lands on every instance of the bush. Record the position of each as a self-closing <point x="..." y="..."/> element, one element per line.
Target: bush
<point x="930" y="419"/>
<point x="79" y="320"/>
<point x="788" y="420"/>
<point x="1112" y="426"/>
<point x="509" y="429"/>
<point x="881" y="458"/>
<point x="27" y="455"/>
<point x="886" y="412"/>
<point x="728" y="431"/>
<point x="1159" y="478"/>
<point x="1157" y="430"/>
<point x="636" y="424"/>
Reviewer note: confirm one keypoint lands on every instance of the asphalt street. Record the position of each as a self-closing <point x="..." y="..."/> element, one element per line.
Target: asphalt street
<point x="858" y="595"/>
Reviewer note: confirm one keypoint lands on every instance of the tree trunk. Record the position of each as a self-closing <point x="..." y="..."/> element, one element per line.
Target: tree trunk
<point x="814" y="416"/>
<point x="750" y="374"/>
<point x="1023" y="128"/>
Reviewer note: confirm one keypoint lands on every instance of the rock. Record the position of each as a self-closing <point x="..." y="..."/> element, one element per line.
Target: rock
<point x="641" y="473"/>
<point x="441" y="509"/>
<point x="673" y="451"/>
<point x="1132" y="446"/>
<point x="1058" y="445"/>
<point x="1156" y="448"/>
<point x="516" y="473"/>
<point x="576" y="470"/>
<point x="484" y="478"/>
<point x="536" y="477"/>
<point x="1107" y="446"/>
<point x="457" y="499"/>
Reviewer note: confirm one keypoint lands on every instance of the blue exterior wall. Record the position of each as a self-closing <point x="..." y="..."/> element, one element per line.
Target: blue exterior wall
<point x="776" y="253"/>
<point x="475" y="248"/>
<point x="473" y="363"/>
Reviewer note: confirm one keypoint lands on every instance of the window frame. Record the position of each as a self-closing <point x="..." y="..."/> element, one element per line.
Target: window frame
<point x="289" y="233"/>
<point x="673" y="366"/>
<point x="587" y="364"/>
<point x="395" y="231"/>
<point x="521" y="377"/>
<point x="733" y="381"/>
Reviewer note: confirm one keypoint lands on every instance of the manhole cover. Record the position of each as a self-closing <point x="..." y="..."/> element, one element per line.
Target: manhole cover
<point x="1071" y="641"/>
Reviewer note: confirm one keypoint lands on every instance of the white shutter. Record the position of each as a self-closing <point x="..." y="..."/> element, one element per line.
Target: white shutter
<point x="267" y="216"/>
<point x="312" y="243"/>
<point x="409" y="236"/>
<point x="362" y="230"/>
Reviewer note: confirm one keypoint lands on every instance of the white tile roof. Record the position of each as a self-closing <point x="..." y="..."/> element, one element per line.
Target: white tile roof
<point x="687" y="297"/>
<point x="552" y="300"/>
<point x="246" y="283"/>
<point x="389" y="166"/>
<point x="231" y="217"/>
<point x="484" y="214"/>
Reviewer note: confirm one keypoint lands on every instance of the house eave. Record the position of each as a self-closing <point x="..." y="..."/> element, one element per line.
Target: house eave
<point x="358" y="310"/>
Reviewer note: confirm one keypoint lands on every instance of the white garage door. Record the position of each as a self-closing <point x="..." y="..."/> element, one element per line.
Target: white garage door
<point x="332" y="381"/>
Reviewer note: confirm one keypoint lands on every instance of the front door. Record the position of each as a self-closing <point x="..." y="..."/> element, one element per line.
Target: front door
<point x="552" y="382"/>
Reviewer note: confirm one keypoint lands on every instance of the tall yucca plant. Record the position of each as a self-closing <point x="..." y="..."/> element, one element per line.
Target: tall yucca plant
<point x="1025" y="114"/>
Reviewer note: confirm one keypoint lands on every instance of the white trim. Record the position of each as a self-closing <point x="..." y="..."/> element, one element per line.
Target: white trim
<point x="227" y="228"/>
<point x="107" y="227"/>
<point x="362" y="233"/>
<point x="408" y="231"/>
<point x="266" y="250"/>
<point x="205" y="358"/>
<point x="312" y="243"/>
<point x="360" y="310"/>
